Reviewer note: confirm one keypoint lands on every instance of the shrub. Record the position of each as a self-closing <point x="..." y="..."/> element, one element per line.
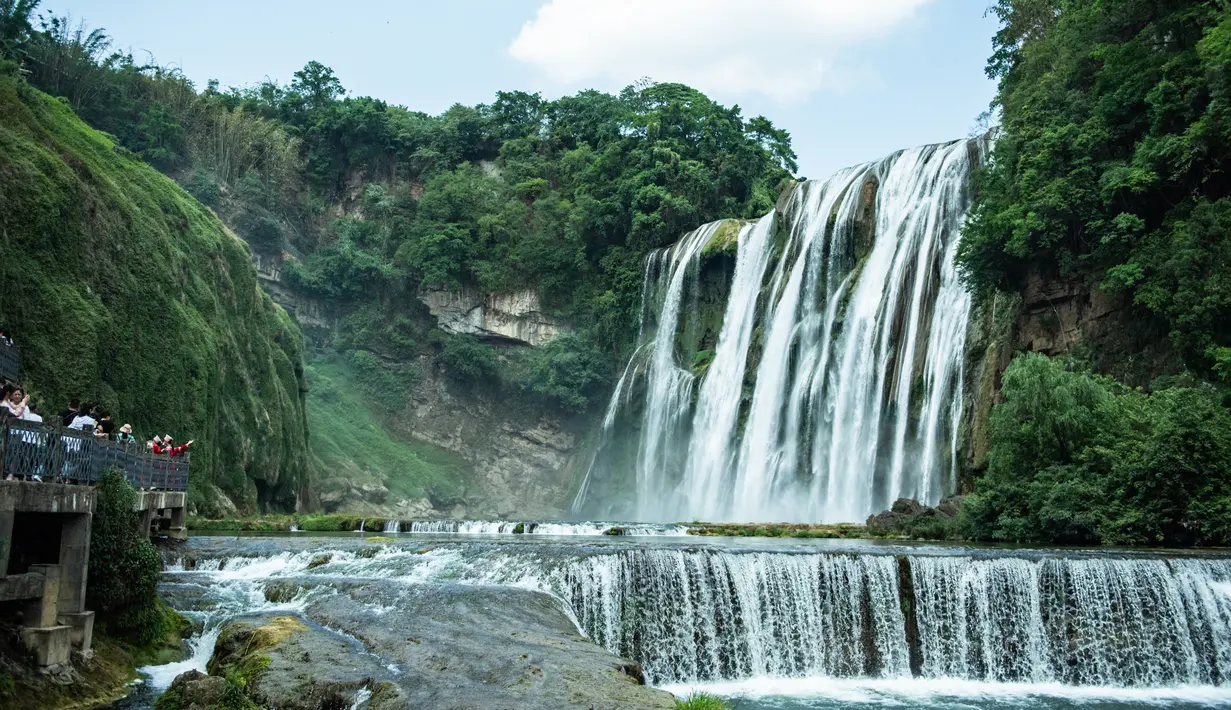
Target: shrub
<point x="467" y="360"/>
<point x="1077" y="458"/>
<point x="701" y="701"/>
<point x="124" y="566"/>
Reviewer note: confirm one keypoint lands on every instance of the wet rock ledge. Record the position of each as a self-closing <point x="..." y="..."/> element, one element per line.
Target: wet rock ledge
<point x="413" y="646"/>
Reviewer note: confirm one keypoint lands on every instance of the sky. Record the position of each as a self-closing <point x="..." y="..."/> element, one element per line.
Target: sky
<point x="852" y="80"/>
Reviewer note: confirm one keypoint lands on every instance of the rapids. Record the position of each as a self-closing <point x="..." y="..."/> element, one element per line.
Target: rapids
<point x="795" y="623"/>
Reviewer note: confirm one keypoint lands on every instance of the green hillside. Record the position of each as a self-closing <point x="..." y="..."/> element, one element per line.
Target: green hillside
<point x="121" y="288"/>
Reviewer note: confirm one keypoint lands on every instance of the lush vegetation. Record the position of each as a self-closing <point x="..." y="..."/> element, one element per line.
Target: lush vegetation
<point x="1079" y="458"/>
<point x="564" y="197"/>
<point x="1112" y="160"/>
<point x="121" y="289"/>
<point x="124" y="568"/>
<point x="355" y="446"/>
<point x="1111" y="166"/>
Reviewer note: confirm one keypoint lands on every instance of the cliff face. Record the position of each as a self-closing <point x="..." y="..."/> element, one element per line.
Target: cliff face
<point x="523" y="460"/>
<point x="516" y="317"/>
<point x="1055" y="315"/>
<point x="123" y="289"/>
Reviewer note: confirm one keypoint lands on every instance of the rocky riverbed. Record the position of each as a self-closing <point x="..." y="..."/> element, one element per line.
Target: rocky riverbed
<point x="308" y="636"/>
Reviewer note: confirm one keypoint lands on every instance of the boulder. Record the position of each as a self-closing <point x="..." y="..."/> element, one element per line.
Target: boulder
<point x="194" y="690"/>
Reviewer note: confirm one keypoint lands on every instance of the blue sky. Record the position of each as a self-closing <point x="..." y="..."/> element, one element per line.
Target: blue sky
<point x="852" y="80"/>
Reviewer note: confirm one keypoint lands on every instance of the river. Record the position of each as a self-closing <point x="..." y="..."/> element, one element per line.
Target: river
<point x="781" y="623"/>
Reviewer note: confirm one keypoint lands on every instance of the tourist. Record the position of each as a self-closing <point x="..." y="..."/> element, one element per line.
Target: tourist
<point x="171" y="449"/>
<point x="5" y="337"/>
<point x="15" y="404"/>
<point x="106" y="424"/>
<point x="83" y="421"/>
<point x="68" y="415"/>
<point x="99" y="434"/>
<point x="126" y="435"/>
<point x="156" y="444"/>
<point x="35" y="440"/>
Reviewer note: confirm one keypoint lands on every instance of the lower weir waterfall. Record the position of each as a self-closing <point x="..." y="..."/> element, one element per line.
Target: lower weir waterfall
<point x="829" y="382"/>
<point x="701" y="613"/>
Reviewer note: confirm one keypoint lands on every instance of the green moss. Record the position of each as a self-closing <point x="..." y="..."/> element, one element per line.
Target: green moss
<point x="519" y="529"/>
<point x="796" y="530"/>
<point x="725" y="239"/>
<point x="360" y="447"/>
<point x="122" y="288"/>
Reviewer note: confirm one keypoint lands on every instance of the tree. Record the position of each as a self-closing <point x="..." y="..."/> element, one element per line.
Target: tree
<point x="124" y="567"/>
<point x="15" y="28"/>
<point x="317" y="85"/>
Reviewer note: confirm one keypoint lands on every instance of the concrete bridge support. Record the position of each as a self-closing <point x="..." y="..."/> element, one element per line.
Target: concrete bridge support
<point x="163" y="511"/>
<point x="44" y="557"/>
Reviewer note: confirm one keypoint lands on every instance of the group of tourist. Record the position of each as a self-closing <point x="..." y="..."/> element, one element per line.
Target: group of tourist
<point x="79" y="416"/>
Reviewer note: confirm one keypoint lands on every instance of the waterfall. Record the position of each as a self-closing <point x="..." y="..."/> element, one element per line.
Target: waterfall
<point x="713" y="615"/>
<point x="835" y="385"/>
<point x="693" y="616"/>
<point x="488" y="527"/>
<point x="392" y="526"/>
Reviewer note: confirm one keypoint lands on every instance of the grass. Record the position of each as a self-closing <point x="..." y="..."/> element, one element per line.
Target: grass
<point x="354" y="445"/>
<point x="701" y="701"/>
<point x="793" y="530"/>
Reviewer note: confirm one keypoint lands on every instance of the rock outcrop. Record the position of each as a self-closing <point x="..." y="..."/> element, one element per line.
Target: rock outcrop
<point x="523" y="459"/>
<point x="515" y="317"/>
<point x="910" y="518"/>
<point x="442" y="647"/>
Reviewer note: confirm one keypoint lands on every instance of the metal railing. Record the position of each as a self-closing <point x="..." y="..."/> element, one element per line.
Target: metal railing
<point x="10" y="362"/>
<point x="54" y="454"/>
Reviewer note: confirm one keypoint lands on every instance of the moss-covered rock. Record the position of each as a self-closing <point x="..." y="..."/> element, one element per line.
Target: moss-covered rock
<point x="123" y="289"/>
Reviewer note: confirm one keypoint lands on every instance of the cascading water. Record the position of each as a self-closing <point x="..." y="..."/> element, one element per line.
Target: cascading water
<point x="712" y="614"/>
<point x="835" y="383"/>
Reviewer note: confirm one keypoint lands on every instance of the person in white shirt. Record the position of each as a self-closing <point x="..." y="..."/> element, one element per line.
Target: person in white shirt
<point x="83" y="421"/>
<point x="16" y="403"/>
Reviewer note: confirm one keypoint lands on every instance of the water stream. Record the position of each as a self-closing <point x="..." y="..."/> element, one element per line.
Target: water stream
<point x="807" y="623"/>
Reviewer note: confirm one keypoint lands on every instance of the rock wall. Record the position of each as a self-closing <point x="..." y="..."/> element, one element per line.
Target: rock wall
<point x="1055" y="315"/>
<point x="516" y="317"/>
<point x="524" y="460"/>
<point x="308" y="312"/>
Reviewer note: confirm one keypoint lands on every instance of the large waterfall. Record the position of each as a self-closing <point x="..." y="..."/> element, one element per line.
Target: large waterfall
<point x="833" y="385"/>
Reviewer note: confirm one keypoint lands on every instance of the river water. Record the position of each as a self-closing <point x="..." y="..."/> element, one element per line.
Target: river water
<point x="790" y="624"/>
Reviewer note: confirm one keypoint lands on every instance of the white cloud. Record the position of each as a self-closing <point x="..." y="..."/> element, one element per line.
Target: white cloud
<point x="785" y="49"/>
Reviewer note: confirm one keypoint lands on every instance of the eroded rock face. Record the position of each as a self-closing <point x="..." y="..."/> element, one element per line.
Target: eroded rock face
<point x="444" y="647"/>
<point x="516" y="317"/>
<point x="523" y="459"/>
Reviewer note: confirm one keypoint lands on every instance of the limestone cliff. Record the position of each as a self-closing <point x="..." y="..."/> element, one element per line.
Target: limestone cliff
<point x="516" y="317"/>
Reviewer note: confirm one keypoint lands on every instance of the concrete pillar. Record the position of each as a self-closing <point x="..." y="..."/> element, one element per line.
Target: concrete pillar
<point x="82" y="625"/>
<point x="74" y="561"/>
<point x="147" y="519"/>
<point x="42" y="612"/>
<point x="177" y="530"/>
<point x="52" y="646"/>
<point x="6" y="539"/>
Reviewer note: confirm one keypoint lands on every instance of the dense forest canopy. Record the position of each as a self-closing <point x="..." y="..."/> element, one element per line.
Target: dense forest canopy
<point x="1111" y="166"/>
<point x="522" y="191"/>
<point x="1112" y="160"/>
<point x="377" y="201"/>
